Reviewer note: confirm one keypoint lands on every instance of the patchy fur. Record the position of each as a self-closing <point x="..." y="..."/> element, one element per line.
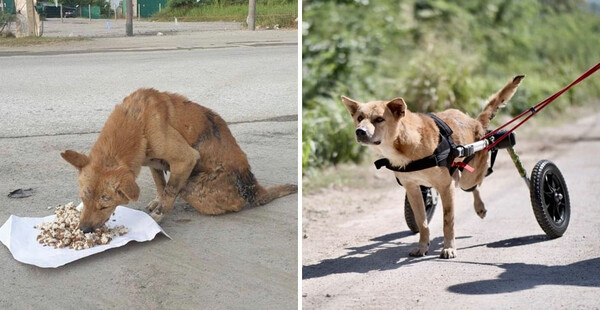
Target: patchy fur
<point x="166" y="132"/>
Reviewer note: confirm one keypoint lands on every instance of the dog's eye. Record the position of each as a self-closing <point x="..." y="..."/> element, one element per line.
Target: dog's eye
<point x="106" y="198"/>
<point x="379" y="120"/>
<point x="360" y="118"/>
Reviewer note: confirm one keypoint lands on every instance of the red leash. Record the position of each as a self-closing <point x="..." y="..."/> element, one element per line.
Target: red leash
<point x="538" y="107"/>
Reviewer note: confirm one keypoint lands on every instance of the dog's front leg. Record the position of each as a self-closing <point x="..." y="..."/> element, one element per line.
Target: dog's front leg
<point x="159" y="179"/>
<point x="447" y="196"/>
<point x="418" y="207"/>
<point x="181" y="159"/>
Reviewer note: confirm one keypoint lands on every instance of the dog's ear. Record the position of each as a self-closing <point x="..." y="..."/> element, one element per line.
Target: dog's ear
<point x="128" y="188"/>
<point x="78" y="160"/>
<point x="350" y="104"/>
<point x="397" y="106"/>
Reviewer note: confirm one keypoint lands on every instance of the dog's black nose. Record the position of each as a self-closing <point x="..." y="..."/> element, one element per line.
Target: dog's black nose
<point x="86" y="229"/>
<point x="361" y="132"/>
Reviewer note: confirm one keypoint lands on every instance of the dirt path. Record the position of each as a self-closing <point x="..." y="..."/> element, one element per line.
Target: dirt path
<point x="356" y="243"/>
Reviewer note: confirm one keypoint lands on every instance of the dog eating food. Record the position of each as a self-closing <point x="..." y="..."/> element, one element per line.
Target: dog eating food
<point x="168" y="133"/>
<point x="64" y="231"/>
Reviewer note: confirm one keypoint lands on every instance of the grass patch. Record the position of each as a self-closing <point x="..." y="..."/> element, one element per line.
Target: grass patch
<point x="27" y="41"/>
<point x="267" y="15"/>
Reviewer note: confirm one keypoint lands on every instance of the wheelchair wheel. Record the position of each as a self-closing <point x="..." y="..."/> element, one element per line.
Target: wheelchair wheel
<point x="430" y="197"/>
<point x="550" y="199"/>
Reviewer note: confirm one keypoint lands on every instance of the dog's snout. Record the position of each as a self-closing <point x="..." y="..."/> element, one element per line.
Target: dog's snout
<point x="86" y="229"/>
<point x="361" y="132"/>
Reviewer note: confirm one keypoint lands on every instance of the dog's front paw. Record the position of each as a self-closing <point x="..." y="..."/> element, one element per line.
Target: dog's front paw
<point x="448" y="253"/>
<point x="419" y="251"/>
<point x="153" y="205"/>
<point x="157" y="216"/>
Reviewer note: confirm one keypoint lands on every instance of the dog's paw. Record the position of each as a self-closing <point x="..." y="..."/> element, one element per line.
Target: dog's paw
<point x="480" y="209"/>
<point x="157" y="216"/>
<point x="418" y="251"/>
<point x="448" y="253"/>
<point x="153" y="205"/>
<point x="481" y="213"/>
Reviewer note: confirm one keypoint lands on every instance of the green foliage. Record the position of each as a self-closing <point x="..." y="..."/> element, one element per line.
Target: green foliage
<point x="328" y="125"/>
<point x="268" y="12"/>
<point x="436" y="54"/>
<point x="181" y="4"/>
<point x="5" y="19"/>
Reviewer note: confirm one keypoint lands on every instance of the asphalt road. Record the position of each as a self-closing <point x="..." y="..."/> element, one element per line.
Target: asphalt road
<point x="57" y="101"/>
<point x="356" y="243"/>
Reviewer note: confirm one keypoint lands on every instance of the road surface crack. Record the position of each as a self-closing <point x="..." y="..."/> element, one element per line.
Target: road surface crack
<point x="280" y="118"/>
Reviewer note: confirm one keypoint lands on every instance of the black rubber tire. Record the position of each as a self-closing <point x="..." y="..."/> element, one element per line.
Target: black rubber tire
<point x="430" y="197"/>
<point x="550" y="199"/>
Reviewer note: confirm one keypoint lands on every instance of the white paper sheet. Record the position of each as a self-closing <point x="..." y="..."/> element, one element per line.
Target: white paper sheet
<point x="19" y="236"/>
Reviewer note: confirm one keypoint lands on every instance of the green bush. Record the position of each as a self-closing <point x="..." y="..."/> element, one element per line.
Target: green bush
<point x="268" y="13"/>
<point x="5" y="19"/>
<point x="436" y="54"/>
<point x="181" y="4"/>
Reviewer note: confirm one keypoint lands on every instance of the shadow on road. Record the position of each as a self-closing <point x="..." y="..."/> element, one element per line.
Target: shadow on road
<point x="520" y="276"/>
<point x="387" y="252"/>
<point x="508" y="243"/>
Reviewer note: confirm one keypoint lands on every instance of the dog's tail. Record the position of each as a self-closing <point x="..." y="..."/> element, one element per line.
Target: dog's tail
<point x="266" y="195"/>
<point x="498" y="100"/>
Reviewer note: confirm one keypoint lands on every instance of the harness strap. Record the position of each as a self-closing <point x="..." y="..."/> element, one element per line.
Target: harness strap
<point x="493" y="152"/>
<point x="442" y="156"/>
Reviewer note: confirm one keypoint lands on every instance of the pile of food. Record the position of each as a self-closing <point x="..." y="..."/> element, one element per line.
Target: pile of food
<point x="64" y="231"/>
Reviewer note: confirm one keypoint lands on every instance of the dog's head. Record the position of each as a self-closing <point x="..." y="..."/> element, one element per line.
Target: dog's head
<point x="377" y="120"/>
<point x="101" y="189"/>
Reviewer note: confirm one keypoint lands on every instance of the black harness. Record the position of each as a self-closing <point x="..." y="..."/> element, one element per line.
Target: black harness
<point x="442" y="156"/>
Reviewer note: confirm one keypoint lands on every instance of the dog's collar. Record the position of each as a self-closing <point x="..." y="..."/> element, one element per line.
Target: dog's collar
<point x="442" y="156"/>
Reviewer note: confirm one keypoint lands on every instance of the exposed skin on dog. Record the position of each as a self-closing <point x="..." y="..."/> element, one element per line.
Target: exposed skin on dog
<point x="390" y="130"/>
<point x="166" y="132"/>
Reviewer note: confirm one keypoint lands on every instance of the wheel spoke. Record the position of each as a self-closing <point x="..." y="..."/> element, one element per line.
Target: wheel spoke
<point x="548" y="179"/>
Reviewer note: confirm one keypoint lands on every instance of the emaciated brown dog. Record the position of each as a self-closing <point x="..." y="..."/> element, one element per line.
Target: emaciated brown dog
<point x="393" y="132"/>
<point x="166" y="132"/>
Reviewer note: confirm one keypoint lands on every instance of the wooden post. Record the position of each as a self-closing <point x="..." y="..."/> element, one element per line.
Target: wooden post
<point x="129" y="22"/>
<point x="251" y="14"/>
<point x="138" y="10"/>
<point x="2" y="5"/>
<point x="61" y="13"/>
<point x="159" y="7"/>
<point x="90" y="11"/>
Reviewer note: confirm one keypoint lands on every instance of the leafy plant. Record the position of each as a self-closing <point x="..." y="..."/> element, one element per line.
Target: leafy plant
<point x="437" y="54"/>
<point x="5" y="20"/>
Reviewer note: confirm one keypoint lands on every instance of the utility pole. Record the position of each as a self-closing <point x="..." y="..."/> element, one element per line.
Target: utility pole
<point x="31" y="26"/>
<point x="251" y="15"/>
<point x="129" y="22"/>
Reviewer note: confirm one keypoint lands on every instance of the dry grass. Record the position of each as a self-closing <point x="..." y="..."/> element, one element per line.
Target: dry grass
<point x="27" y="41"/>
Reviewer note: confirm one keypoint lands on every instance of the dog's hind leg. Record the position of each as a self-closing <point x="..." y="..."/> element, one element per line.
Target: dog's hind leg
<point x="447" y="196"/>
<point x="469" y="181"/>
<point x="212" y="194"/>
<point x="417" y="205"/>
<point x="478" y="204"/>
